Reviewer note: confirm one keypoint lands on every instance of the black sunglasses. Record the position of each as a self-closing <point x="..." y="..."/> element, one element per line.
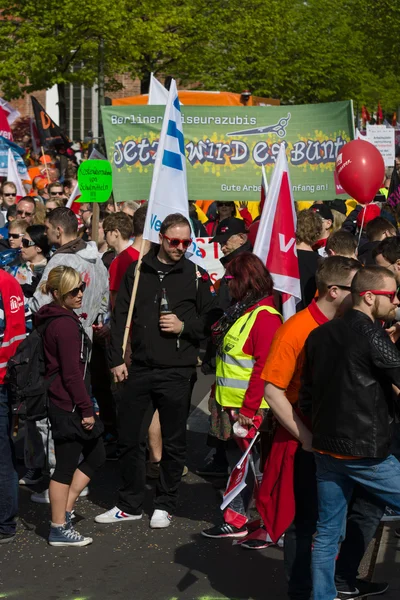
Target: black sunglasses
<point x="27" y="243"/>
<point x="15" y="236"/>
<point x="76" y="290"/>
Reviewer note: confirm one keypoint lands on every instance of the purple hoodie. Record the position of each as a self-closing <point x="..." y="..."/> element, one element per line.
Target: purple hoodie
<point x="62" y="349"/>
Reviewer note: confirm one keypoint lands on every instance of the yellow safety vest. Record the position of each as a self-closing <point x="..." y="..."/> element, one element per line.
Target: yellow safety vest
<point x="233" y="366"/>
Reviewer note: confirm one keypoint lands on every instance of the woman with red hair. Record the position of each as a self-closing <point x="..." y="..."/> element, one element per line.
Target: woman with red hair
<point x="243" y="337"/>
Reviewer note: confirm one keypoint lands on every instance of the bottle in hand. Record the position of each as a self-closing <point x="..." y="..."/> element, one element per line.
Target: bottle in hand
<point x="164" y="304"/>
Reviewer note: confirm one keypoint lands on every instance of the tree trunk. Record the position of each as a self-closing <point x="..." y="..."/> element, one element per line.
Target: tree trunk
<point x="145" y="83"/>
<point x="62" y="107"/>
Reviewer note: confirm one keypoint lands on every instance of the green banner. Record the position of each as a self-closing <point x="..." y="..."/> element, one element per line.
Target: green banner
<point x="226" y="146"/>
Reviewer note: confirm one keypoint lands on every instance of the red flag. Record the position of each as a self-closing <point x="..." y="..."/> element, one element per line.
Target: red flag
<point x="379" y="114"/>
<point x="365" y="115"/>
<point x="276" y="237"/>
<point x="5" y="129"/>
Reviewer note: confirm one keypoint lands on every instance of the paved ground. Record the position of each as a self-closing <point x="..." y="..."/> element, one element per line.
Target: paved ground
<point x="130" y="561"/>
<point x="387" y="566"/>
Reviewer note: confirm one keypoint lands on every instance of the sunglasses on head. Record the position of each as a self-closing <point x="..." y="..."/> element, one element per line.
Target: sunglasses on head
<point x="76" y="290"/>
<point x="175" y="242"/>
<point x="390" y="295"/>
<point x="22" y="213"/>
<point x="27" y="243"/>
<point x="15" y="236"/>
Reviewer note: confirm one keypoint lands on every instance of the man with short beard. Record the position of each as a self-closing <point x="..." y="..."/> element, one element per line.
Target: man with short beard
<point x="350" y="367"/>
<point x="164" y="356"/>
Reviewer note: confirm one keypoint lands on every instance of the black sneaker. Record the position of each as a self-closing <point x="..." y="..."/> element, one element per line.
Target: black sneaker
<point x="31" y="477"/>
<point x="212" y="469"/>
<point x="225" y="531"/>
<point x="6" y="538"/>
<point x="363" y="590"/>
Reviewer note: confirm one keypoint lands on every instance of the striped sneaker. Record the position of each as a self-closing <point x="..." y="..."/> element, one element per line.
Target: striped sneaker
<point x="160" y="519"/>
<point x="115" y="515"/>
<point x="225" y="531"/>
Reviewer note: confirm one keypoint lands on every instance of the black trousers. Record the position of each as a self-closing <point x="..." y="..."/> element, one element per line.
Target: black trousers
<point x="363" y="518"/>
<point x="169" y="391"/>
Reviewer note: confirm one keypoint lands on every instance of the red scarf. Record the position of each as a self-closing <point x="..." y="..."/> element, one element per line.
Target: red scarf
<point x="320" y="244"/>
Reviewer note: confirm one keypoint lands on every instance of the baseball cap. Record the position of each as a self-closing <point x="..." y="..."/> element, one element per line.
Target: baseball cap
<point x="324" y="211"/>
<point x="370" y="212"/>
<point x="227" y="228"/>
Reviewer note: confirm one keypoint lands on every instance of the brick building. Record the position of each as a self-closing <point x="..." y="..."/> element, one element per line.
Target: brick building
<point x="82" y="105"/>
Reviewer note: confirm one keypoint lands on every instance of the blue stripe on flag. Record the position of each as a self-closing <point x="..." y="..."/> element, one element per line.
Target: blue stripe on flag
<point x="173" y="160"/>
<point x="174" y="132"/>
<point x="176" y="104"/>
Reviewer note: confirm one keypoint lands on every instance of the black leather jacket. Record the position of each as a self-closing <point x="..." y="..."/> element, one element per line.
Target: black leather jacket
<point x="349" y="369"/>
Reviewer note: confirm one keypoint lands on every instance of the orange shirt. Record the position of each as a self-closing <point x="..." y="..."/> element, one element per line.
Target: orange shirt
<point x="286" y="357"/>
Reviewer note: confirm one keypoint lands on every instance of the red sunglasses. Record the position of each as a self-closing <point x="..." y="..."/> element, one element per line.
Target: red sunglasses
<point x="390" y="295"/>
<point x="175" y="242"/>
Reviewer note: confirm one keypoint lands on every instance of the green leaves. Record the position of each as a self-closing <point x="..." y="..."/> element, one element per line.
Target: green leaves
<point x="298" y="51"/>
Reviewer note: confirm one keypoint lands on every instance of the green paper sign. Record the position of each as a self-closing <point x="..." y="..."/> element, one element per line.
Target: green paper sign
<point x="95" y="181"/>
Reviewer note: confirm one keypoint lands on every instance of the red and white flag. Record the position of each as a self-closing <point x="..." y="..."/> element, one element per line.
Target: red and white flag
<point x="275" y="243"/>
<point x="5" y="129"/>
<point x="13" y="175"/>
<point x="12" y="113"/>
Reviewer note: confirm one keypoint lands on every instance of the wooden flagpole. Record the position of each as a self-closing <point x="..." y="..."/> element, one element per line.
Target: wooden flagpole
<point x="133" y="297"/>
<point x="45" y="164"/>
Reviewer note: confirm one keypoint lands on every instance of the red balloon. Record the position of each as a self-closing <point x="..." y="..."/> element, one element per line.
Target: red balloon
<point x="360" y="170"/>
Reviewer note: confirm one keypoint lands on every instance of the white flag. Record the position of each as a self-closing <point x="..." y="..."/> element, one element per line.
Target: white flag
<point x="168" y="193"/>
<point x="13" y="175"/>
<point x="158" y="94"/>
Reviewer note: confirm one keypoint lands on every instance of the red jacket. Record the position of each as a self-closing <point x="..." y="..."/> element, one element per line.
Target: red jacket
<point x="211" y="226"/>
<point x="275" y="499"/>
<point x="12" y="319"/>
<point x="258" y="344"/>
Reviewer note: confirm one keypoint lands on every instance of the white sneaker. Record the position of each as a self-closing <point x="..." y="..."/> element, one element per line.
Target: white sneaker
<point x="44" y="498"/>
<point x="114" y="515"/>
<point x="160" y="519"/>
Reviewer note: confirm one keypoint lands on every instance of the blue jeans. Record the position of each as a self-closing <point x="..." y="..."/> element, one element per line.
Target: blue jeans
<point x="8" y="471"/>
<point x="336" y="479"/>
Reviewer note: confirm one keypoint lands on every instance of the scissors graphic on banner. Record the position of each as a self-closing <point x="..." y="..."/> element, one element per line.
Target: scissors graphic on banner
<point x="279" y="128"/>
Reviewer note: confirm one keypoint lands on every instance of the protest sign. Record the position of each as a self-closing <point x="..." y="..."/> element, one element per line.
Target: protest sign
<point x="225" y="148"/>
<point x="17" y="153"/>
<point x="382" y="137"/>
<point x="95" y="181"/>
<point x="211" y="254"/>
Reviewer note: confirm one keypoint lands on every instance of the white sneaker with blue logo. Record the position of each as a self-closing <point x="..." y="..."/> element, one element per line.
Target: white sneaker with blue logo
<point x="115" y="515"/>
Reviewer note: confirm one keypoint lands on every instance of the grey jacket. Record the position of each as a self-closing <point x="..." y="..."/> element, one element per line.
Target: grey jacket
<point x="84" y="258"/>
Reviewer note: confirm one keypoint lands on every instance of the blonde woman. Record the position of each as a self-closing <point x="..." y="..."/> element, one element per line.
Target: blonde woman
<point x="75" y="428"/>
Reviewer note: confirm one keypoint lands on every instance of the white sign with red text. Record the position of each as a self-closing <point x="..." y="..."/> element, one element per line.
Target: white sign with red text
<point x="211" y="253"/>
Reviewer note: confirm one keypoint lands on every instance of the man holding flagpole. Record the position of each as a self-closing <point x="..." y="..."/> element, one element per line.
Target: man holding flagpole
<point x="171" y="305"/>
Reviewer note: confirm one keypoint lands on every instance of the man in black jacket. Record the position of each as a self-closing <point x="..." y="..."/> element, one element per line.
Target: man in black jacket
<point x="164" y="356"/>
<point x="351" y="365"/>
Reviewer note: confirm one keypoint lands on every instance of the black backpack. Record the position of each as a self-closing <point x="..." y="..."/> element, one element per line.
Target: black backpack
<point x="26" y="376"/>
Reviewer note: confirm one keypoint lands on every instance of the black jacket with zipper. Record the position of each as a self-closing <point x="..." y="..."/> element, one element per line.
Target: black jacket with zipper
<point x="349" y="369"/>
<point x="190" y="297"/>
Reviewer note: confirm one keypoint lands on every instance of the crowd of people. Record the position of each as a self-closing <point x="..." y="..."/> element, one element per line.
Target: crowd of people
<point x="321" y="388"/>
